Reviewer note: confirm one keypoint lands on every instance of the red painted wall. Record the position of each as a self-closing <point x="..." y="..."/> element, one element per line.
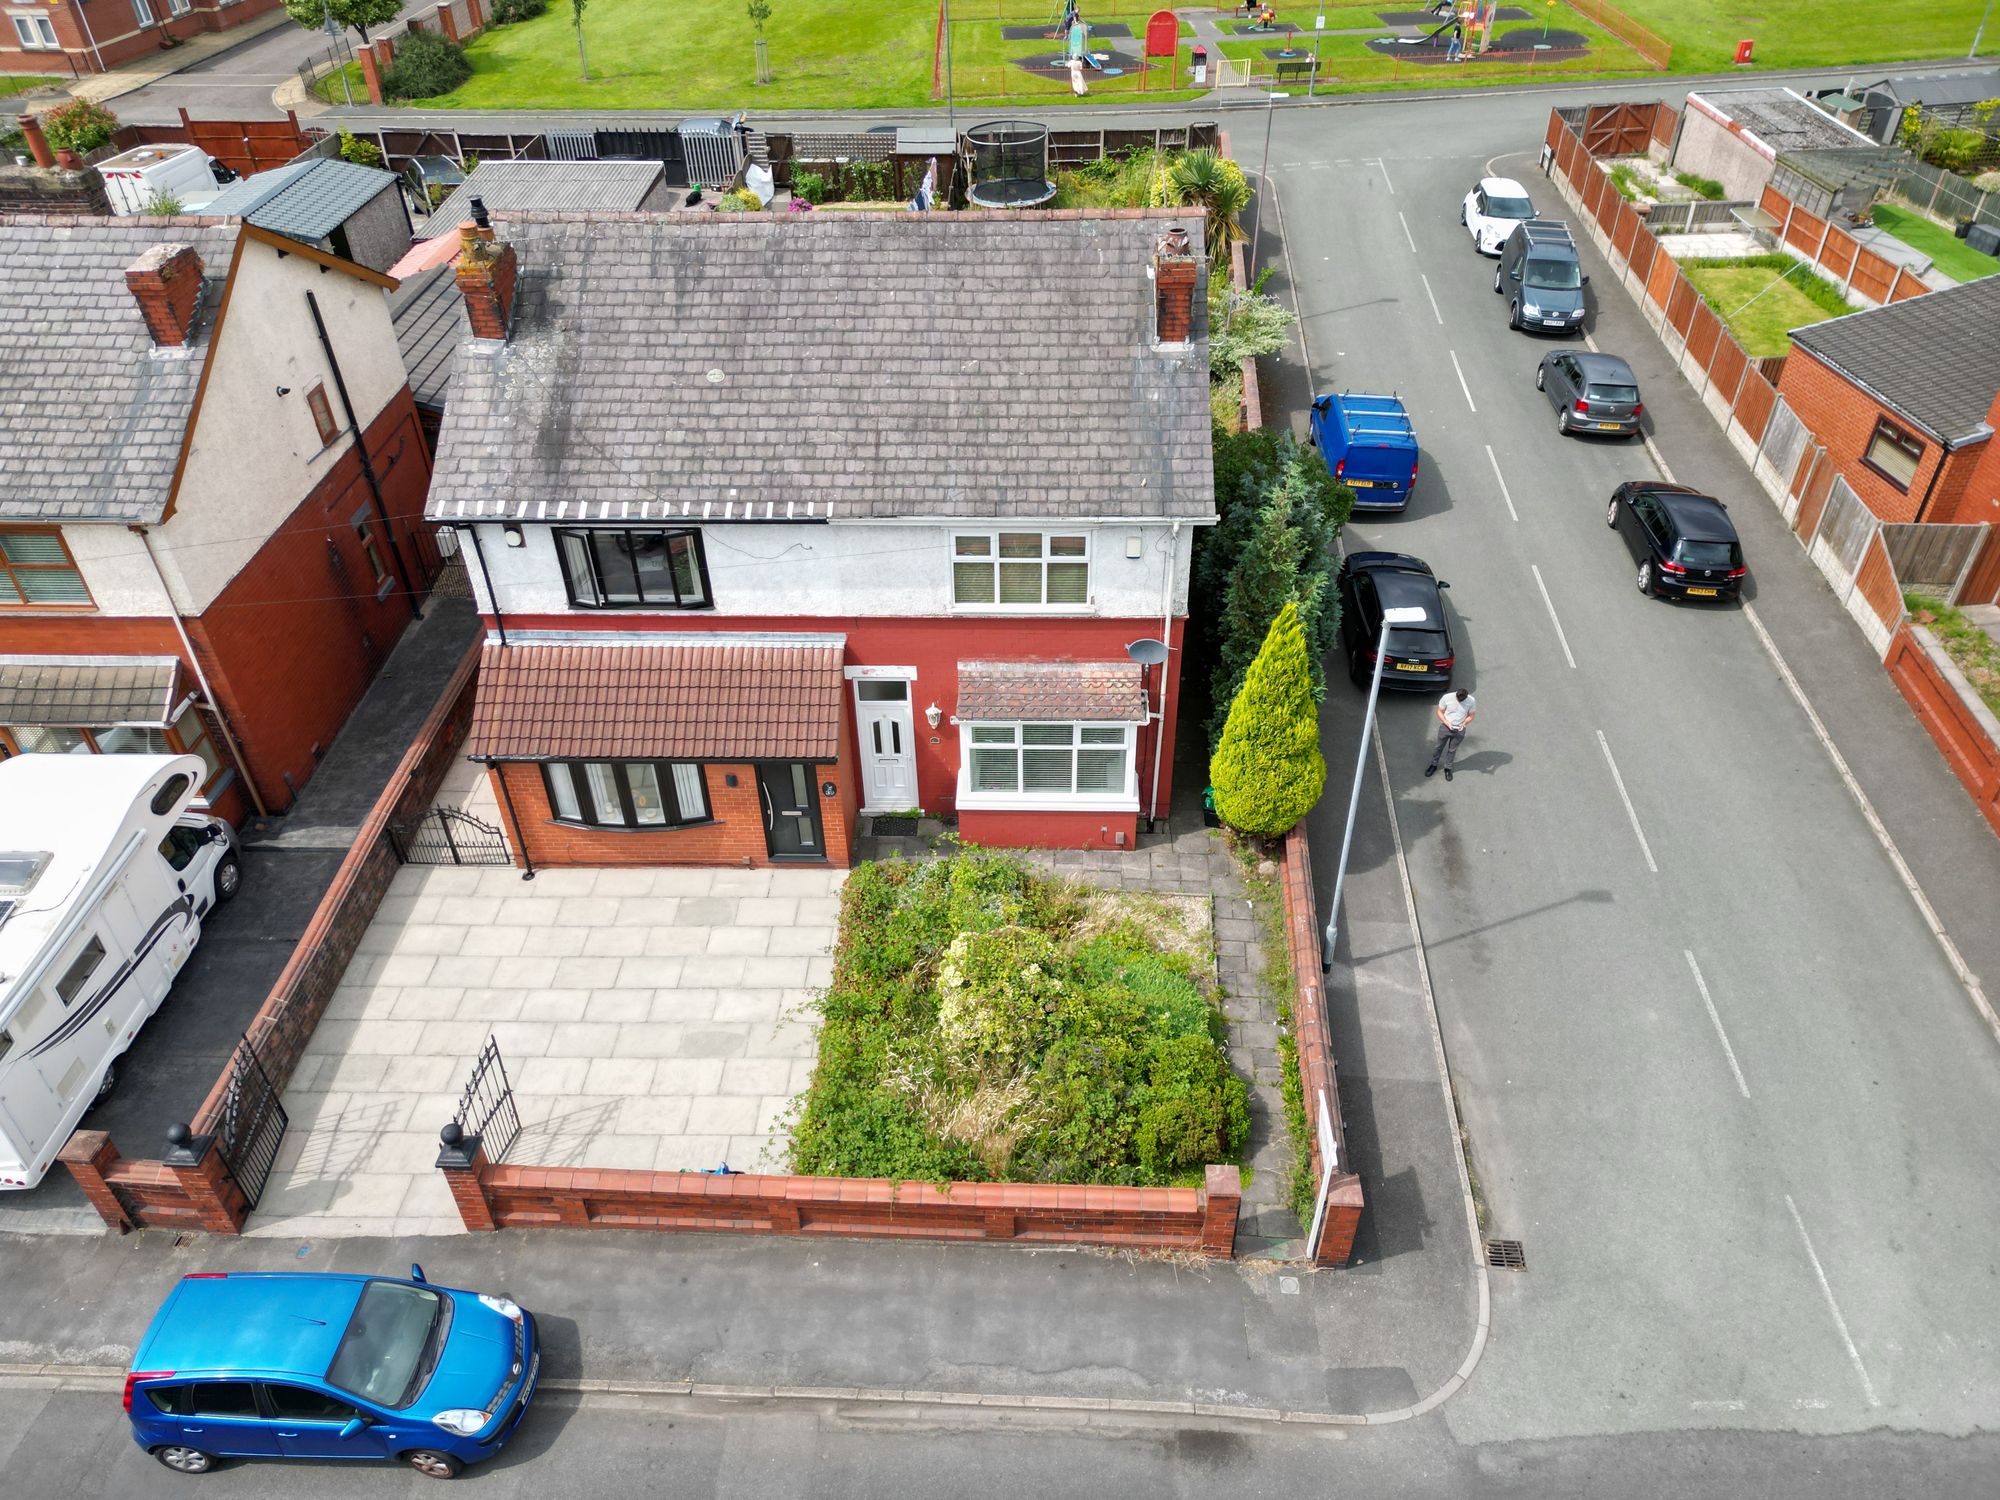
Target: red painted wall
<point x="1052" y="830"/>
<point x="935" y="646"/>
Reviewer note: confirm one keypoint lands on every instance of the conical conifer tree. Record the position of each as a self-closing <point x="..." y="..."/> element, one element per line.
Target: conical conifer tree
<point x="1268" y="771"/>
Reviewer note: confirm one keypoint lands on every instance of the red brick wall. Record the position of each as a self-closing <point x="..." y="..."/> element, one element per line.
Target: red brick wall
<point x="1957" y="727"/>
<point x="1843" y="418"/>
<point x="119" y="38"/>
<point x="733" y="836"/>
<point x="1053" y="830"/>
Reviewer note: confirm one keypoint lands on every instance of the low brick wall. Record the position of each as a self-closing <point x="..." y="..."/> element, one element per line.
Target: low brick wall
<point x="510" y="1197"/>
<point x="1315" y="1045"/>
<point x="201" y="1195"/>
<point x="1945" y="704"/>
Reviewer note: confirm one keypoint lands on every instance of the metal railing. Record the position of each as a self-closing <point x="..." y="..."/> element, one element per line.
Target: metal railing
<point x="486" y="1109"/>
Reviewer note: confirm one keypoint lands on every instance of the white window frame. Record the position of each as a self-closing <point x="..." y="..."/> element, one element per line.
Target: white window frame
<point x="994" y="559"/>
<point x="178" y="8"/>
<point x="1126" y="799"/>
<point x="142" y="12"/>
<point x="37" y="33"/>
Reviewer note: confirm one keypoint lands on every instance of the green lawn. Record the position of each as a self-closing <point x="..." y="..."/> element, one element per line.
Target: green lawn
<point x="1762" y="326"/>
<point x="1794" y="33"/>
<point x="1948" y="253"/>
<point x="19" y="83"/>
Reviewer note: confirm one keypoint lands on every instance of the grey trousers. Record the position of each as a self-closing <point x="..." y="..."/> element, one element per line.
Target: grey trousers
<point x="1447" y="746"/>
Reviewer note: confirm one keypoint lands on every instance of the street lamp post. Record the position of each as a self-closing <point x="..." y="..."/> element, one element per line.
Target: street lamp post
<point x="1263" y="181"/>
<point x="333" y="31"/>
<point x="1389" y="617"/>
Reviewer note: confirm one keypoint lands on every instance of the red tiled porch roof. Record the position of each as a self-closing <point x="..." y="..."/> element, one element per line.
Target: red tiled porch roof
<point x="1106" y="691"/>
<point x="681" y="698"/>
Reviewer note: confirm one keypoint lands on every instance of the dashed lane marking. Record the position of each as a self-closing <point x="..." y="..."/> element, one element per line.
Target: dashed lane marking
<point x="1501" y="480"/>
<point x="1625" y="797"/>
<point x="1720" y="1035"/>
<point x="1413" y="245"/>
<point x="1434" y="305"/>
<point x="1461" y="379"/>
<point x="1826" y="1290"/>
<point x="1551" y="606"/>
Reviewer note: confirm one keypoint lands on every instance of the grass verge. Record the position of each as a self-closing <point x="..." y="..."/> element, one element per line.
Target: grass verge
<point x="1268" y="902"/>
<point x="13" y="83"/>
<point x="1948" y="253"/>
<point x="1976" y="653"/>
<point x="1762" y="298"/>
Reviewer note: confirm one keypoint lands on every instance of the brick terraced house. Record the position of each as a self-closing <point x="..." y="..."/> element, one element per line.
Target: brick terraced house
<point x="780" y="521"/>
<point x="74" y="38"/>
<point x="196" y="553"/>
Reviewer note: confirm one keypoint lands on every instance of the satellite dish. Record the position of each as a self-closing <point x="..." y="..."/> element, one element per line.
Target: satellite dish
<point x="1148" y="653"/>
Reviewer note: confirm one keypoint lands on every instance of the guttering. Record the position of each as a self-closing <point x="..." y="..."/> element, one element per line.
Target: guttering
<point x="492" y="598"/>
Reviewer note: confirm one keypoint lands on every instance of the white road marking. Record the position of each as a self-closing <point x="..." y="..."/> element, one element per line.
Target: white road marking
<point x="1720" y="1035"/>
<point x="1385" y="176"/>
<point x="1854" y="1354"/>
<point x="1502" y="480"/>
<point x="1461" y="380"/>
<point x="1952" y="956"/>
<point x="1630" y="811"/>
<point x="1551" y="605"/>
<point x="1434" y="306"/>
<point x="1411" y="238"/>
<point x="1652" y="448"/>
<point x="1717" y="1405"/>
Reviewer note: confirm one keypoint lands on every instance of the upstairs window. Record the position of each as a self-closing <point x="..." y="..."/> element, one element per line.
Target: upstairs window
<point x="606" y="569"/>
<point x="322" y="415"/>
<point x="36" y="569"/>
<point x="1894" y="454"/>
<point x="37" y="33"/>
<point x="1019" y="570"/>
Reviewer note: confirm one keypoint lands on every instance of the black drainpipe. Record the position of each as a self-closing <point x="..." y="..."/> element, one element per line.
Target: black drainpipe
<point x="480" y="552"/>
<point x="507" y="796"/>
<point x="1944" y="457"/>
<point x="367" y="468"/>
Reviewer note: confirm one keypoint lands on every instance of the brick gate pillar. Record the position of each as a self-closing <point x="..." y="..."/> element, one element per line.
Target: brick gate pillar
<point x="462" y="1158"/>
<point x="1221" y="1201"/>
<point x="89" y="1155"/>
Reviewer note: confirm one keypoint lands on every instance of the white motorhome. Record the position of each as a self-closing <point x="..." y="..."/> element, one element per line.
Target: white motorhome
<point x="105" y="877"/>
<point x="132" y="179"/>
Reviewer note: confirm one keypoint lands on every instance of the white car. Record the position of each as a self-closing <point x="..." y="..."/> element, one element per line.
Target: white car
<point x="1492" y="209"/>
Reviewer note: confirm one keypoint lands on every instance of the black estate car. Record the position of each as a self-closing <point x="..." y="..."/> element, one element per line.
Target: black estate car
<point x="1681" y="539"/>
<point x="1590" y="392"/>
<point x="1420" y="654"/>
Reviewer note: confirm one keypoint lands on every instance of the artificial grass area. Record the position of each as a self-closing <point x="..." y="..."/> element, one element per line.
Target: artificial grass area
<point x="1763" y="326"/>
<point x="1975" y="652"/>
<point x="1948" y="253"/>
<point x="1347" y="64"/>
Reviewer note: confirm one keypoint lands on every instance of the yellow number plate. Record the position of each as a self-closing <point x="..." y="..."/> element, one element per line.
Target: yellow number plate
<point x="1417" y="666"/>
<point x="1359" y="484"/>
<point x="1705" y="593"/>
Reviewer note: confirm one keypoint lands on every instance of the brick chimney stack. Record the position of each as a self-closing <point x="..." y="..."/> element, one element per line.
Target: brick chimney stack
<point x="486" y="274"/>
<point x="166" y="280"/>
<point x="1176" y="282"/>
<point x="38" y="144"/>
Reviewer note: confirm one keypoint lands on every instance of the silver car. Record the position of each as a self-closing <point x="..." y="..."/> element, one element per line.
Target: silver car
<point x="1591" y="392"/>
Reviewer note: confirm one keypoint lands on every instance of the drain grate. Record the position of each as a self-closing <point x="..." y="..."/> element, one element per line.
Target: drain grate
<point x="1506" y="1255"/>
<point x="182" y="1241"/>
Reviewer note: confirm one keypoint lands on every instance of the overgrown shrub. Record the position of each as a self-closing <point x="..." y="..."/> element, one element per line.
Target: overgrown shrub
<point x="1243" y="325"/>
<point x="363" y="153"/>
<point x="80" y="126"/>
<point x="507" y="12"/>
<point x="427" y="65"/>
<point x="739" y="201"/>
<point x="808" y="185"/>
<point x="1708" y="187"/>
<point x="988" y="1022"/>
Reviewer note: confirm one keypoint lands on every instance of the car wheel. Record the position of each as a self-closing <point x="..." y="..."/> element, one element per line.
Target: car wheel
<point x="1611" y="515"/>
<point x="1541" y="372"/>
<point x="1646" y="579"/>
<point x="184" y="1460"/>
<point x="228" y="878"/>
<point x="1514" y="315"/>
<point x="1461" y="215"/>
<point x="1562" y="420"/>
<point x="433" y="1464"/>
<point x="106" y="1084"/>
<point x="1496" y="282"/>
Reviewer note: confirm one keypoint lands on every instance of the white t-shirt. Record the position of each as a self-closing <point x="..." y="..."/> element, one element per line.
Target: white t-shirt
<point x="1457" y="710"/>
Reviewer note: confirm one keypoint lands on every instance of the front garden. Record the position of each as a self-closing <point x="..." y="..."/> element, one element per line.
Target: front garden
<point x="1762" y="298"/>
<point x="988" y="1022"/>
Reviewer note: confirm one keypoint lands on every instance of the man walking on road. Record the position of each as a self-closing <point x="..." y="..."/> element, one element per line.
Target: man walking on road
<point x="1454" y="714"/>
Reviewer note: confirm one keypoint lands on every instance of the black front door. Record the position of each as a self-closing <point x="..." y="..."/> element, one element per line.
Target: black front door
<point x="791" y="810"/>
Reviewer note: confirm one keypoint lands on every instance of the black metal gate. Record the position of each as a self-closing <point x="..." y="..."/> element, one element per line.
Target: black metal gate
<point x="252" y="1124"/>
<point x="486" y="1108"/>
<point x="449" y="836"/>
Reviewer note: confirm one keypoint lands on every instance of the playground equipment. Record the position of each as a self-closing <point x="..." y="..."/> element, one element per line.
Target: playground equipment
<point x="1163" y="39"/>
<point x="1007" y="164"/>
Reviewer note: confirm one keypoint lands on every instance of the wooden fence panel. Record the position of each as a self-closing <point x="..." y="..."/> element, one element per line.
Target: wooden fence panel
<point x="1663" y="278"/>
<point x="1644" y="249"/>
<point x="1815" y="484"/>
<point x="1756" y="399"/>
<point x="1873" y="276"/>
<point x="1704" y="332"/>
<point x="1931" y="556"/>
<point x="1805" y="232"/>
<point x="1728" y="364"/>
<point x="1624" y="231"/>
<point x="1681" y="307"/>
<point x="1838" y="258"/>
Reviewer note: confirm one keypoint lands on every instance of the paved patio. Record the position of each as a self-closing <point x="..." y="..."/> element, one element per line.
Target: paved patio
<point x="646" y="1018"/>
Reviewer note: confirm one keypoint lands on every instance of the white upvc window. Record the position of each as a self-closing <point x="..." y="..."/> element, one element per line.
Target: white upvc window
<point x="142" y="11"/>
<point x="1015" y="570"/>
<point x="1048" y="765"/>
<point x="37" y="33"/>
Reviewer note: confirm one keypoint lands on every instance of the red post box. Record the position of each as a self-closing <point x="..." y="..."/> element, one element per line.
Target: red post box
<point x="1743" y="50"/>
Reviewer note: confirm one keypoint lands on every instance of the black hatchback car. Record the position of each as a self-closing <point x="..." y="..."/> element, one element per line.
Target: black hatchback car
<point x="1591" y="392"/>
<point x="1420" y="655"/>
<point x="1682" y="540"/>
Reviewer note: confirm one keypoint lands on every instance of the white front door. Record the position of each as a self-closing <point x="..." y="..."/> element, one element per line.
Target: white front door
<point x="888" y="744"/>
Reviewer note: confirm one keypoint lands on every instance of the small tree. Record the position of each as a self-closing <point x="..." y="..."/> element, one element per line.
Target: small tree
<point x="1206" y="177"/>
<point x="80" y="126"/>
<point x="1268" y="772"/>
<point x="427" y="65"/>
<point x="358" y="14"/>
<point x="576" y="20"/>
<point x="760" y="12"/>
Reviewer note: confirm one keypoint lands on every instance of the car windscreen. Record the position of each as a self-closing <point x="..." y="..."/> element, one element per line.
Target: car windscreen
<point x="1415" y="641"/>
<point x="392" y="1343"/>
<point x="1556" y="275"/>
<point x="1509" y="208"/>
<point x="1708" y="554"/>
<point x="1625" y="393"/>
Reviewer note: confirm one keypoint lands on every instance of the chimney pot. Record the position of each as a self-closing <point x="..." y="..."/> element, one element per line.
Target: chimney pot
<point x="479" y="214"/>
<point x="166" y="282"/>
<point x="38" y="144"/>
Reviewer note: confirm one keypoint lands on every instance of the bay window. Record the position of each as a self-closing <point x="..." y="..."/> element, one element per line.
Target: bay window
<point x="626" y="793"/>
<point x="1019" y="570"/>
<point x="187" y="735"/>
<point x="605" y="568"/>
<point x="1045" y="764"/>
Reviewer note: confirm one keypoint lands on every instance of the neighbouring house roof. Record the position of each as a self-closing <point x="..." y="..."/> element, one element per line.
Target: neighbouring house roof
<point x="89" y="692"/>
<point x="1110" y="691"/>
<point x="659" y="697"/>
<point x="429" y="314"/>
<point x="92" y="415"/>
<point x="1781" y="119"/>
<point x="302" y="200"/>
<point x="552" y="186"/>
<point x="1940" y="89"/>
<point x="1932" y="358"/>
<point x="843" y="366"/>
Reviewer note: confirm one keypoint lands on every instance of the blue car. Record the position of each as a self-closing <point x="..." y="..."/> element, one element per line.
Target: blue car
<point x="278" y="1365"/>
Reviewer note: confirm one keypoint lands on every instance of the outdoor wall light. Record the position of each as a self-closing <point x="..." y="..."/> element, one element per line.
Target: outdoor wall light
<point x="933" y="715"/>
<point x="513" y="535"/>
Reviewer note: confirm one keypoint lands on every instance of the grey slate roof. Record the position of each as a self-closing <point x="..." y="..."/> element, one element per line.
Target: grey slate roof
<point x="91" y="414"/>
<point x="552" y="186"/>
<point x="303" y="200"/>
<point x="429" y="315"/>
<point x="89" y="692"/>
<point x="1782" y="119"/>
<point x="1934" y="358"/>
<point x="830" y="365"/>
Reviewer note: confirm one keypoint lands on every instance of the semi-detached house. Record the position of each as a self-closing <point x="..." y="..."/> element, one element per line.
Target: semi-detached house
<point x="778" y="521"/>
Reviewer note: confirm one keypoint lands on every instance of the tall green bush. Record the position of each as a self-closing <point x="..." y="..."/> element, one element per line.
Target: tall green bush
<point x="426" y="66"/>
<point x="1268" y="771"/>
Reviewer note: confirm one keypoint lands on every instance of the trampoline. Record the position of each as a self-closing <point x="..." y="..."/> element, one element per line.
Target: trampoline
<point x="1008" y="162"/>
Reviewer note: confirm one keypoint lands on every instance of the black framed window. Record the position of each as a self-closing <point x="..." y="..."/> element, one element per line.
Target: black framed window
<point x="626" y="793"/>
<point x="605" y="568"/>
<point x="1894" y="454"/>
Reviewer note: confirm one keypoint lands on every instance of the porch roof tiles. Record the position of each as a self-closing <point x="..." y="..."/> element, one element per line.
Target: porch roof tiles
<point x="1104" y="691"/>
<point x="670" y="697"/>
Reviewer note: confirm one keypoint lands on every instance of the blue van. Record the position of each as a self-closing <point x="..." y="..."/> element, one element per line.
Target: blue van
<point x="1370" y="445"/>
<point x="291" y="1365"/>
